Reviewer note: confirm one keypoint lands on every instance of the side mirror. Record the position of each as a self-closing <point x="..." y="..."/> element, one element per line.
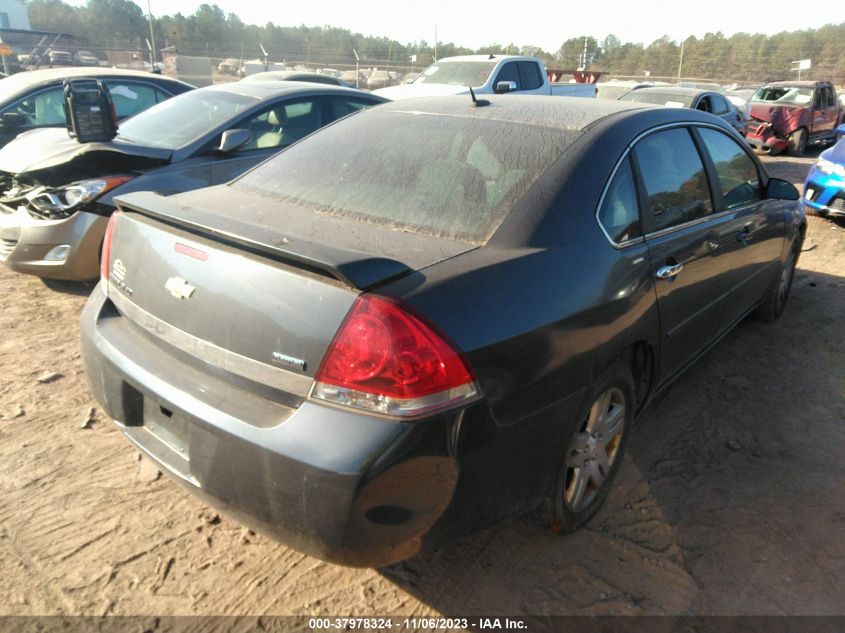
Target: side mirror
<point x="233" y="139"/>
<point x="778" y="189"/>
<point x="840" y="131"/>
<point x="505" y="86"/>
<point x="11" y="120"/>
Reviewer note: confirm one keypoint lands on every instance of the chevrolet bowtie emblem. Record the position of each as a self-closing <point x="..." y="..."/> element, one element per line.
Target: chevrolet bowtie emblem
<point x="179" y="288"/>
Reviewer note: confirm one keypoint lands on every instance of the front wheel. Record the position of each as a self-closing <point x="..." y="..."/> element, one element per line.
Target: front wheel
<point x="798" y="142"/>
<point x="593" y="453"/>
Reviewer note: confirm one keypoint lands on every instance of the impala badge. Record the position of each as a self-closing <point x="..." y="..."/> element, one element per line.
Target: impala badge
<point x="289" y="361"/>
<point x="179" y="288"/>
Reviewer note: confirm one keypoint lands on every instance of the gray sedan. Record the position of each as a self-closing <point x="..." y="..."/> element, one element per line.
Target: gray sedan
<point x="57" y="193"/>
<point x="703" y="100"/>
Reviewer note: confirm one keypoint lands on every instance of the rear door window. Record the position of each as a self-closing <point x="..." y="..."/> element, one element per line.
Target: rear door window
<point x="131" y="98"/>
<point x="719" y="105"/>
<point x="675" y="181"/>
<point x="342" y="106"/>
<point x="736" y="171"/>
<point x="620" y="214"/>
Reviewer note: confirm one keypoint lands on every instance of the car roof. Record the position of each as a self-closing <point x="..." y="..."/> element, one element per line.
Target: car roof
<point x="24" y="81"/>
<point x="566" y="113"/>
<point x="285" y="75"/>
<point x="796" y="84"/>
<point x="689" y="92"/>
<point x="271" y="88"/>
<point x="482" y="58"/>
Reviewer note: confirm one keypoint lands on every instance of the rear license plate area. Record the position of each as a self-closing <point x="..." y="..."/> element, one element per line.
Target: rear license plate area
<point x="168" y="426"/>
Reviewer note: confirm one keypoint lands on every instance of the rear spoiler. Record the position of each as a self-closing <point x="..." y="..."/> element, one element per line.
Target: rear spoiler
<point x="352" y="268"/>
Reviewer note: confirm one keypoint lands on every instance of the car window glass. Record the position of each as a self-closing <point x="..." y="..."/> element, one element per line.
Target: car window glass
<point x="43" y="108"/>
<point x="674" y="178"/>
<point x="669" y="99"/>
<point x="342" y="106"/>
<point x="619" y="213"/>
<point x="830" y="100"/>
<point x="131" y="98"/>
<point x="283" y="124"/>
<point x="737" y="173"/>
<point x="460" y="182"/>
<point x="509" y="72"/>
<point x="186" y="118"/>
<point x="531" y="78"/>
<point x="720" y="106"/>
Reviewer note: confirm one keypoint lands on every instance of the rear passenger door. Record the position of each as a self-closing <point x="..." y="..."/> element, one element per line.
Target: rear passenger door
<point x="692" y="277"/>
<point x="751" y="238"/>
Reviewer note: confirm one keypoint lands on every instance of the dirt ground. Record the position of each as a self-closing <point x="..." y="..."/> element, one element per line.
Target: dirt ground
<point x="729" y="500"/>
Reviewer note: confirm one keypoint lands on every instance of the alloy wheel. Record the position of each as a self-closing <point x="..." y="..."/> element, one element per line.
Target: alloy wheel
<point x="594" y="450"/>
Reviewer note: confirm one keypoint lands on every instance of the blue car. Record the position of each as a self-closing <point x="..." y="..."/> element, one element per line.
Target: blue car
<point x="824" y="189"/>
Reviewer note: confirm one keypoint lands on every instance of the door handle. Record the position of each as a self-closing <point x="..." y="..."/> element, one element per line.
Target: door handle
<point x="668" y="271"/>
<point x="744" y="235"/>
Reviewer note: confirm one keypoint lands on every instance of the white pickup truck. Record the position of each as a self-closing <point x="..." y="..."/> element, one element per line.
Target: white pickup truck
<point x="487" y="74"/>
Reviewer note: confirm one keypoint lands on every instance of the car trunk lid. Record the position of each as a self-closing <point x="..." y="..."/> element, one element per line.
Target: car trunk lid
<point x="257" y="293"/>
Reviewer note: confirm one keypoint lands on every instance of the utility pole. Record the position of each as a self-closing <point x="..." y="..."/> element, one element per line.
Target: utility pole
<point x="681" y="63"/>
<point x="435" y="42"/>
<point x="357" y="70"/>
<point x="152" y="35"/>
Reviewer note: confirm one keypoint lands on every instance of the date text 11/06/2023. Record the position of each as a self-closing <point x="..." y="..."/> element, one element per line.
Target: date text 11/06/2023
<point x="389" y="623"/>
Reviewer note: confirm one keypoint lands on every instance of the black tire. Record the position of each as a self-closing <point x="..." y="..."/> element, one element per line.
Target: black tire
<point x="561" y="511"/>
<point x="798" y="142"/>
<point x="777" y="296"/>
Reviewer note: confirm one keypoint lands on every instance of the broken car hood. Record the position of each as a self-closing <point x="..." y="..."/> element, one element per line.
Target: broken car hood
<point x="784" y="118"/>
<point x="47" y="148"/>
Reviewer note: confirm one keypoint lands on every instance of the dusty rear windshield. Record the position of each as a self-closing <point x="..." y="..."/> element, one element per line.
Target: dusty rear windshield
<point x="455" y="177"/>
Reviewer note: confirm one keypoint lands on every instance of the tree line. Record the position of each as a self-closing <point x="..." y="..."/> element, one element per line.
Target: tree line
<point x="122" y="25"/>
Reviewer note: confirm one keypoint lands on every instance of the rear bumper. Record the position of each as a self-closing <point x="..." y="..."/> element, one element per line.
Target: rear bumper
<point x="344" y="487"/>
<point x="25" y="242"/>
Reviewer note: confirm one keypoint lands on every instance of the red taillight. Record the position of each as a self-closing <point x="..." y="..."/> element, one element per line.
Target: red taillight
<point x="106" y="254"/>
<point x="386" y="359"/>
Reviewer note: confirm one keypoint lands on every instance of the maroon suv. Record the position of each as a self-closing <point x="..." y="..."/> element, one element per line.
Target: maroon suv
<point x="790" y="114"/>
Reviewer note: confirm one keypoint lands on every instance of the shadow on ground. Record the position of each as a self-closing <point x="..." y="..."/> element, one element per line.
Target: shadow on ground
<point x="77" y="288"/>
<point x="728" y="501"/>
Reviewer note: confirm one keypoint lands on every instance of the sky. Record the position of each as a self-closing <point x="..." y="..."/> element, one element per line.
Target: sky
<point x="544" y="23"/>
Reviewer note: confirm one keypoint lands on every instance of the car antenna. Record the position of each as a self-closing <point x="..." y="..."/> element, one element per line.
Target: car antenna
<point x="478" y="103"/>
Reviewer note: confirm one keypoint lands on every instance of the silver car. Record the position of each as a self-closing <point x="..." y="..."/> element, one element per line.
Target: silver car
<point x="56" y="194"/>
<point x="704" y="100"/>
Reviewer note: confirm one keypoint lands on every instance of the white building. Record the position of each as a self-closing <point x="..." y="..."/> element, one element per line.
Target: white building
<point x="13" y="15"/>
